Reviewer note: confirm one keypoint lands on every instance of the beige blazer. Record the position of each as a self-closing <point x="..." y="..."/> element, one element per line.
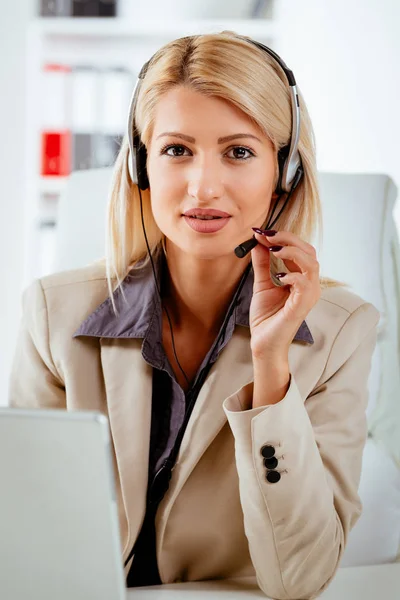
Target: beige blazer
<point x="220" y="517"/>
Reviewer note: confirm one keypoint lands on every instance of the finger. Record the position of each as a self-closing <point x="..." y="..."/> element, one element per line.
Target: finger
<point x="300" y="286"/>
<point x="296" y="259"/>
<point x="296" y="280"/>
<point x="287" y="238"/>
<point x="260" y="258"/>
<point x="292" y="266"/>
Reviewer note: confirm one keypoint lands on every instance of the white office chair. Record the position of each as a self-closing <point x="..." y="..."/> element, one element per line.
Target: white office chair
<point x="361" y="248"/>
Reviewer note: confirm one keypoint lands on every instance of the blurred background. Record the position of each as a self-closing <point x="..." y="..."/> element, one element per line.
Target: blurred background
<point x="67" y="71"/>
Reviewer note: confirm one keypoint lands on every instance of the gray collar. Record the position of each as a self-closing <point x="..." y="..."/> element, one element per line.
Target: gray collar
<point x="143" y="303"/>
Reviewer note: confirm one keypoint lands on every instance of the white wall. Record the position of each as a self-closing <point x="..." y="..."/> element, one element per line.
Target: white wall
<point x="12" y="106"/>
<point x="345" y="57"/>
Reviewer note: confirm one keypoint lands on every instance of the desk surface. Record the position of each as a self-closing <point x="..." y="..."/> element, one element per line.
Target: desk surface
<point x="353" y="583"/>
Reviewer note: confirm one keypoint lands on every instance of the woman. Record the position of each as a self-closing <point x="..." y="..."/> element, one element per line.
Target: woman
<point x="265" y="379"/>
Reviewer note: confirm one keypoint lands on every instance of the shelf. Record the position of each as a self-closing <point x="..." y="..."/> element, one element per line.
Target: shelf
<point x="74" y="28"/>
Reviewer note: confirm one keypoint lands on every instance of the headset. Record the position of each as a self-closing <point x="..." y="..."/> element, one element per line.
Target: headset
<point x="290" y="174"/>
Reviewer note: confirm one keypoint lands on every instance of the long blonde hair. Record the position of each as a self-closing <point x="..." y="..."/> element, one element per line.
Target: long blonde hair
<point x="223" y="65"/>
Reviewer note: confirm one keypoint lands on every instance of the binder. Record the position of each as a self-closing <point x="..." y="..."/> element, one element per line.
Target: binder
<point x="107" y="8"/>
<point x="85" y="8"/>
<point x="94" y="8"/>
<point x="116" y="87"/>
<point x="56" y="8"/>
<point x="84" y="115"/>
<point x="55" y="130"/>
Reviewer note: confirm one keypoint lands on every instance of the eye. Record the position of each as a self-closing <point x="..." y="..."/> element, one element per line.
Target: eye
<point x="177" y="148"/>
<point x="239" y="153"/>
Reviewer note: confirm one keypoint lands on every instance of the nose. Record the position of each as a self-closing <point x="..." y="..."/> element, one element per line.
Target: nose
<point x="205" y="180"/>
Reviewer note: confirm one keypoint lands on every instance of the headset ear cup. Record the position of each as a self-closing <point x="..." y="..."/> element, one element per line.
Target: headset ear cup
<point x="141" y="159"/>
<point x="282" y="156"/>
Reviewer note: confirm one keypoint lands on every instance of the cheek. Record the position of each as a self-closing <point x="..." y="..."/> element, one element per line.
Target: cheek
<point x="167" y="195"/>
<point x="255" y="178"/>
<point x="163" y="179"/>
<point x="165" y="202"/>
<point x="256" y="190"/>
<point x="258" y="200"/>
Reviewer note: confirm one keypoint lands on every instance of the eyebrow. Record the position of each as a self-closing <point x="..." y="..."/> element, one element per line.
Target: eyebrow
<point x="221" y="140"/>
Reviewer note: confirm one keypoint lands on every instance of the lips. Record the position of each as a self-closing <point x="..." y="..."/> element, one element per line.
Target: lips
<point x="205" y="212"/>
<point x="206" y="225"/>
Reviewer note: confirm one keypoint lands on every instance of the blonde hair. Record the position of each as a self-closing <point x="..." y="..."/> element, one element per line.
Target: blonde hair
<point x="223" y="65"/>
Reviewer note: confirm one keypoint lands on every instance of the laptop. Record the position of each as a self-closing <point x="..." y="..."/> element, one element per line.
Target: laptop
<point x="59" y="530"/>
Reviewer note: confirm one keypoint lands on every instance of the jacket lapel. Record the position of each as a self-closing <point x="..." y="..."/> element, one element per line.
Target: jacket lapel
<point x="128" y="383"/>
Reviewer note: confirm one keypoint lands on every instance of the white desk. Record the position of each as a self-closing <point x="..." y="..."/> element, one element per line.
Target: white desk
<point x="380" y="582"/>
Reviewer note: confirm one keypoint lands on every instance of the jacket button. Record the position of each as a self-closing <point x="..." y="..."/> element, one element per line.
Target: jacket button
<point x="268" y="451"/>
<point x="273" y="476"/>
<point x="271" y="463"/>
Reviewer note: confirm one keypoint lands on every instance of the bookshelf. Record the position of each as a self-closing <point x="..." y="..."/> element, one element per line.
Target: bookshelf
<point x="102" y="43"/>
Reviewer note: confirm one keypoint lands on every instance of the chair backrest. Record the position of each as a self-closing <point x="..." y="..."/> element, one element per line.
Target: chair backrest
<point x="361" y="248"/>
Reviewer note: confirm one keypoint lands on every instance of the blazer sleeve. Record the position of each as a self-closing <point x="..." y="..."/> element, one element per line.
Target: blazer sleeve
<point x="34" y="380"/>
<point x="297" y="527"/>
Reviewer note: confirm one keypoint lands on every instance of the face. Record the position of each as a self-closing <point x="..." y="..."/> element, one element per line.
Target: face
<point x="191" y="165"/>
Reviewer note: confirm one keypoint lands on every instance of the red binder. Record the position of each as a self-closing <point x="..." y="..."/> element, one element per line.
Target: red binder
<point x="55" y="131"/>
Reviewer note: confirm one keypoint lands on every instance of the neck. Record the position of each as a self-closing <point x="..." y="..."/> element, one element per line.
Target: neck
<point x="198" y="303"/>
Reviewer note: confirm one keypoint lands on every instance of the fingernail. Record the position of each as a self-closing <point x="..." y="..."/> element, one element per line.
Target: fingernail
<point x="266" y="232"/>
<point x="275" y="248"/>
<point x="279" y="275"/>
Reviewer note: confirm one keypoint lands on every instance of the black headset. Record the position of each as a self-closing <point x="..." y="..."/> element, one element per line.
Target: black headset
<point x="290" y="174"/>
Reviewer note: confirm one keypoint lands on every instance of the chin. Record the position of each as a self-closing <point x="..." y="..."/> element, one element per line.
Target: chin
<point x="203" y="246"/>
<point x="210" y="250"/>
